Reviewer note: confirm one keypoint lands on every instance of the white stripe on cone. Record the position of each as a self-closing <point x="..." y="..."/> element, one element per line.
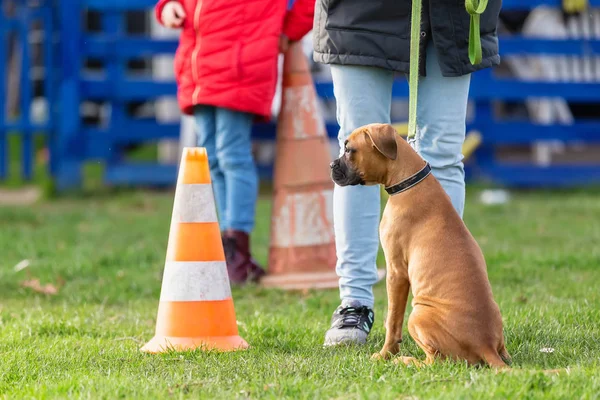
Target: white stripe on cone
<point x="195" y="281"/>
<point x="305" y="219"/>
<point x="194" y="203"/>
<point x="301" y="105"/>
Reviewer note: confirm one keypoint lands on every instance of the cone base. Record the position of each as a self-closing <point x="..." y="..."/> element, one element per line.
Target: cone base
<point x="162" y="344"/>
<point x="309" y="280"/>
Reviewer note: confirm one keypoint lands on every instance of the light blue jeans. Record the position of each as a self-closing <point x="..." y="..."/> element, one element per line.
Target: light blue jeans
<point x="364" y="96"/>
<point x="226" y="136"/>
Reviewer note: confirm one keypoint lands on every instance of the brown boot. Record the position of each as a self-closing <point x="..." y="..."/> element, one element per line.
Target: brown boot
<point x="241" y="267"/>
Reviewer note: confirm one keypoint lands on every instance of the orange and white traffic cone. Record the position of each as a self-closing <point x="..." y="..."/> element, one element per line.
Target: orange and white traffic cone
<point x="302" y="248"/>
<point x="196" y="308"/>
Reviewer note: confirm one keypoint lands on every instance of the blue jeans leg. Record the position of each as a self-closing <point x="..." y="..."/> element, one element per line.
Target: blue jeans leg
<point x="363" y="96"/>
<point x="234" y="154"/>
<point x="205" y="117"/>
<point x="441" y="115"/>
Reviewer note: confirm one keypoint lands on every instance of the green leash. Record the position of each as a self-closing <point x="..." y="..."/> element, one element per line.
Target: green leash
<point x="475" y="8"/>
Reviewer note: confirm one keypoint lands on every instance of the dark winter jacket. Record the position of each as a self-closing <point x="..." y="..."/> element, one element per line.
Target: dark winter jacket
<point x="377" y="33"/>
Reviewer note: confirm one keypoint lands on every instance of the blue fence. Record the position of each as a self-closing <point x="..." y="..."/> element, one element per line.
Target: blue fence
<point x="72" y="142"/>
<point x="18" y="28"/>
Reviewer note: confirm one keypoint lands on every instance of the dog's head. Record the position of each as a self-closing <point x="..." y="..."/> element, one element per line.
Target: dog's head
<point x="368" y="153"/>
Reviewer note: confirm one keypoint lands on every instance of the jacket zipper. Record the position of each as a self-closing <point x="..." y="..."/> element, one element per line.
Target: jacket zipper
<point x="197" y="45"/>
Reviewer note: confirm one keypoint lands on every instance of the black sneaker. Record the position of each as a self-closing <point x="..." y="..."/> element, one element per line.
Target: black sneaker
<point x="350" y="324"/>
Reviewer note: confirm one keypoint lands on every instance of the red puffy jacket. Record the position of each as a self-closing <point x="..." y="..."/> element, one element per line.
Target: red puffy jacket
<point x="228" y="51"/>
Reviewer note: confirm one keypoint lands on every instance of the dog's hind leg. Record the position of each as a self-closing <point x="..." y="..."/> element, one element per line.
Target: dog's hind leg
<point x="408" y="361"/>
<point x="493" y="359"/>
<point x="504" y="354"/>
<point x="429" y="359"/>
<point x="416" y="329"/>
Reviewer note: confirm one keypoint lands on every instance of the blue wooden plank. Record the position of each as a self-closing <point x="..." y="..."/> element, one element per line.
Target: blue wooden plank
<point x="484" y="88"/>
<point x="512" y="89"/>
<point x="141" y="174"/>
<point x="133" y="131"/>
<point x="267" y="131"/>
<point x="528" y="176"/>
<point x="69" y="144"/>
<point x="483" y="111"/>
<point x="68" y="174"/>
<point x="504" y="133"/>
<point x="25" y="92"/>
<point x="3" y="95"/>
<point x="99" y="46"/>
<point x="36" y="128"/>
<point x="130" y="89"/>
<point x="100" y="140"/>
<point x="37" y="12"/>
<point x="98" y="148"/>
<point x="119" y="5"/>
<point x="10" y="25"/>
<point x="113" y="24"/>
<point x="530" y="4"/>
<point x="517" y="45"/>
<point x="49" y="84"/>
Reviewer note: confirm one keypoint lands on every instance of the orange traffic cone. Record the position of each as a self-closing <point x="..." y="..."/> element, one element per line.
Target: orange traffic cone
<point x="196" y="308"/>
<point x="302" y="248"/>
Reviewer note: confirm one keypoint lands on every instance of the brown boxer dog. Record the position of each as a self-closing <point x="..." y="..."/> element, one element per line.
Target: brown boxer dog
<point x="428" y="249"/>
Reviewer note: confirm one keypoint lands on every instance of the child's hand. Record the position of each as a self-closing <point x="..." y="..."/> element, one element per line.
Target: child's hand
<point x="284" y="43"/>
<point x="173" y="14"/>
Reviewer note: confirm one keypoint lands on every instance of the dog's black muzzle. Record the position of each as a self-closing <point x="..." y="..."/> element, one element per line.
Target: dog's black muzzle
<point x="343" y="175"/>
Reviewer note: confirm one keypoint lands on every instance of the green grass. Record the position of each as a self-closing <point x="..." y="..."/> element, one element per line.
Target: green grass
<point x="543" y="257"/>
<point x="15" y="176"/>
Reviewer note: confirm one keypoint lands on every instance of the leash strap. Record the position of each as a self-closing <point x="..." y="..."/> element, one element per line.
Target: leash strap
<point x="475" y="8"/>
<point x="413" y="72"/>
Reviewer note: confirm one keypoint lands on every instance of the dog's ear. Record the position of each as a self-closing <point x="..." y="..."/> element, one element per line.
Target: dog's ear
<point x="383" y="137"/>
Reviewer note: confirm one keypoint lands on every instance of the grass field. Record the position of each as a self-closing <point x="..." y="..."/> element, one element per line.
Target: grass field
<point x="543" y="254"/>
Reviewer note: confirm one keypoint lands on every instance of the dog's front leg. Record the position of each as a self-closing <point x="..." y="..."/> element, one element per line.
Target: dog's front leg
<point x="397" y="284"/>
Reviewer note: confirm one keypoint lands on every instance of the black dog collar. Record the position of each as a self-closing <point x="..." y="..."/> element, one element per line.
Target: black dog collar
<point x="410" y="181"/>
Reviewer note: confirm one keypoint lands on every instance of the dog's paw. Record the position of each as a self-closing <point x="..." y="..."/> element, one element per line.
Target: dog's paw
<point x="381" y="356"/>
<point x="408" y="361"/>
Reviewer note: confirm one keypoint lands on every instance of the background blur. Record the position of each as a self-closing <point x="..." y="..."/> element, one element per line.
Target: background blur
<point x="89" y="122"/>
<point x="87" y="98"/>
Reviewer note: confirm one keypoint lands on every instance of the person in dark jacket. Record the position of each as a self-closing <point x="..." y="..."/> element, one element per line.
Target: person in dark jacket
<point x="367" y="42"/>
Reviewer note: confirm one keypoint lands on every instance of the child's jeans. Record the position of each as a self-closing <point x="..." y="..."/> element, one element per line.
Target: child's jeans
<point x="226" y="136"/>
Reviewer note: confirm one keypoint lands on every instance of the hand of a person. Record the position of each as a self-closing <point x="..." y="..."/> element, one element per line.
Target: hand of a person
<point x="284" y="43"/>
<point x="173" y="14"/>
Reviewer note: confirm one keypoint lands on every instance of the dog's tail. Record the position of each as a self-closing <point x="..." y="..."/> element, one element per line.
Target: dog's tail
<point x="501" y="361"/>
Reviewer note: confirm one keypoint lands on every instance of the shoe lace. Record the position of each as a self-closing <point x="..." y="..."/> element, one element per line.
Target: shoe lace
<point x="351" y="315"/>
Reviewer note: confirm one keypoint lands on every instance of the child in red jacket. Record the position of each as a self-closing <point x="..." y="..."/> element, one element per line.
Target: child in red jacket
<point x="226" y="73"/>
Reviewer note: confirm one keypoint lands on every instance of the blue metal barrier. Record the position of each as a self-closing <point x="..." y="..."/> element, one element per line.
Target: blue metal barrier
<point x="72" y="142"/>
